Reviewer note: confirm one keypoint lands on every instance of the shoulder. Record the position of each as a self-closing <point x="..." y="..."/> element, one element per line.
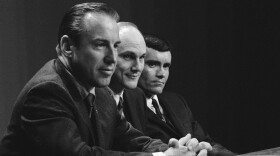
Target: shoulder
<point x="174" y="98"/>
<point x="104" y="94"/>
<point x="134" y="96"/>
<point x="105" y="91"/>
<point x="172" y="95"/>
<point x="43" y="98"/>
<point x="134" y="92"/>
<point x="45" y="79"/>
<point x="45" y="86"/>
<point x="47" y="91"/>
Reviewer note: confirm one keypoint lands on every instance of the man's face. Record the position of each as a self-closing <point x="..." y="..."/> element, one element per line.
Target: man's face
<point x="130" y="61"/>
<point x="156" y="71"/>
<point x="94" y="60"/>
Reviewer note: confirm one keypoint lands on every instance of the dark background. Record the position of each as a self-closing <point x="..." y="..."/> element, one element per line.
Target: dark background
<point x="225" y="58"/>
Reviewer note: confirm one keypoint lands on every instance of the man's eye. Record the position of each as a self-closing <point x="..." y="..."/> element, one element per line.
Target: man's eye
<point x="167" y="66"/>
<point x="151" y="65"/>
<point x="116" y="45"/>
<point x="100" y="44"/>
<point x="127" y="57"/>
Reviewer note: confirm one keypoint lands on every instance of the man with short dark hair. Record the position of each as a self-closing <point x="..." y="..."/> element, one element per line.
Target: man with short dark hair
<point x="130" y="64"/>
<point x="59" y="112"/>
<point x="158" y="114"/>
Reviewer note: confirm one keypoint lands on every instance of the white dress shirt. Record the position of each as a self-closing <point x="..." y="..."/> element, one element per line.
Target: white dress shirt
<point x="150" y="105"/>
<point x="117" y="99"/>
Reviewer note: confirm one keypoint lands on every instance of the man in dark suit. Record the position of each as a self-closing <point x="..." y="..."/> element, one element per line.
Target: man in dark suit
<point x="130" y="64"/>
<point x="159" y="114"/>
<point x="59" y="113"/>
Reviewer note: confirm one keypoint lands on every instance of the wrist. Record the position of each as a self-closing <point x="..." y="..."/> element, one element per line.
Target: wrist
<point x="158" y="154"/>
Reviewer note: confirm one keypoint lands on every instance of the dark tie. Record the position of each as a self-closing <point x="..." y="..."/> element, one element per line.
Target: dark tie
<point x="159" y="114"/>
<point x="120" y="106"/>
<point x="93" y="115"/>
<point x="90" y="99"/>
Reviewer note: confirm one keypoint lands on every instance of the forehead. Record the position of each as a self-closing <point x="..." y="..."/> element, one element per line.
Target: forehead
<point x="98" y="25"/>
<point x="163" y="57"/>
<point x="131" y="41"/>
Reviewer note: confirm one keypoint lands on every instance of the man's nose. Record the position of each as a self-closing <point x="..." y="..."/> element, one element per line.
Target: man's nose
<point x="111" y="56"/>
<point x="137" y="65"/>
<point x="160" y="73"/>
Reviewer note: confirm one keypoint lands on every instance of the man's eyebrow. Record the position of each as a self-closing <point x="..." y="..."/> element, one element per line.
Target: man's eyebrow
<point x="152" y="61"/>
<point x="99" y="39"/>
<point x="167" y="64"/>
<point x="105" y="41"/>
<point x="118" y="42"/>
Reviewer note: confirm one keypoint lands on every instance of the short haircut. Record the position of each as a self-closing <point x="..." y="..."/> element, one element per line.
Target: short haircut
<point x="72" y="22"/>
<point x="157" y="43"/>
<point x="127" y="24"/>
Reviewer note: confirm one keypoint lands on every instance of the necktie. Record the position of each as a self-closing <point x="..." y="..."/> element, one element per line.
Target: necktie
<point x="93" y="115"/>
<point x="159" y="114"/>
<point x="120" y="106"/>
<point x="90" y="99"/>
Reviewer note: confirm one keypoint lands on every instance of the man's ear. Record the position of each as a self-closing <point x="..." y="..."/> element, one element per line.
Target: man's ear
<point x="66" y="46"/>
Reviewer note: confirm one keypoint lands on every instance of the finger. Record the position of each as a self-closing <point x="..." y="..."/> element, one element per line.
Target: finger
<point x="192" y="144"/>
<point x="205" y="145"/>
<point x="202" y="153"/>
<point x="185" y="140"/>
<point x="190" y="153"/>
<point x="173" y="143"/>
<point x="202" y="145"/>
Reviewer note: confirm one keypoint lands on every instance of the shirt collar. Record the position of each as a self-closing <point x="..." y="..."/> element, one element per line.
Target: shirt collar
<point x="153" y="97"/>
<point x="83" y="91"/>
<point x="92" y="91"/>
<point x="116" y="96"/>
<point x="150" y="105"/>
<point x="64" y="61"/>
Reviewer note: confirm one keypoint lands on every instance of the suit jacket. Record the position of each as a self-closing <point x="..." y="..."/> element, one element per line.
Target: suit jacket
<point x="51" y="118"/>
<point x="178" y="113"/>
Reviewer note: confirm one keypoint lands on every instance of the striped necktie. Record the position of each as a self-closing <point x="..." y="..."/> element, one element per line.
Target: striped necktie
<point x="120" y="106"/>
<point x="159" y="114"/>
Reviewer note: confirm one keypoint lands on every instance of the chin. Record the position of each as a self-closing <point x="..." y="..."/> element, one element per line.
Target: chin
<point x="102" y="83"/>
<point x="130" y="85"/>
<point x="156" y="91"/>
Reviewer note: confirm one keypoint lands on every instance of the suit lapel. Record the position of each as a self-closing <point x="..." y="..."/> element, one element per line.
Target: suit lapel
<point x="152" y="117"/>
<point x="106" y="116"/>
<point x="78" y="98"/>
<point x="134" y="107"/>
<point x="172" y="116"/>
<point x="84" y="111"/>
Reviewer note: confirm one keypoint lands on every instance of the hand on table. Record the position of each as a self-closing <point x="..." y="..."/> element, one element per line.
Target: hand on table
<point x="187" y="146"/>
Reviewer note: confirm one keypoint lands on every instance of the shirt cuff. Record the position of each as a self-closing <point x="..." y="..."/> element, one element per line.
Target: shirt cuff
<point x="158" y="154"/>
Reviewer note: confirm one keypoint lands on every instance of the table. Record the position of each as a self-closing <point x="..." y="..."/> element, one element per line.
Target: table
<point x="267" y="152"/>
